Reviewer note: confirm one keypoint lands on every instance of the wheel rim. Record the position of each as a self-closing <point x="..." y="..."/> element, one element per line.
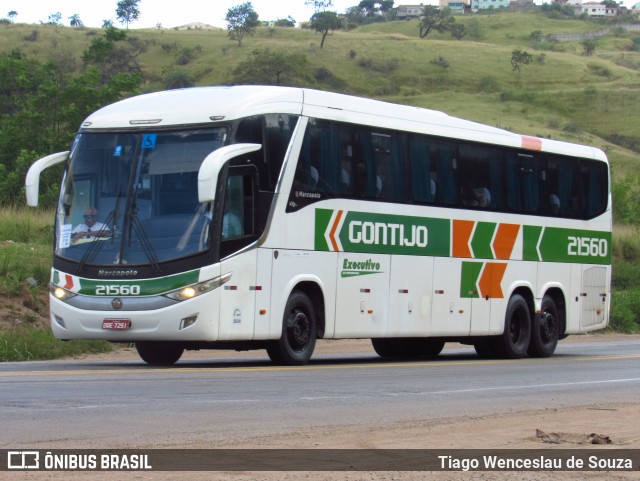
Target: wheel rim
<point x="547" y="327"/>
<point x="298" y="330"/>
<point x="516" y="325"/>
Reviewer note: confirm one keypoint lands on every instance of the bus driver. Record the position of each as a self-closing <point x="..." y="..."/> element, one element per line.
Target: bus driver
<point x="90" y="228"/>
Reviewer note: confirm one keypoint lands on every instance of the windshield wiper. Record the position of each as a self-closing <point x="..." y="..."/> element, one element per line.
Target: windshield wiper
<point x="134" y="224"/>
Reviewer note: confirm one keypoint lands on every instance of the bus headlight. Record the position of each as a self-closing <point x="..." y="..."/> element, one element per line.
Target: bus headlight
<point x="60" y="293"/>
<point x="194" y="290"/>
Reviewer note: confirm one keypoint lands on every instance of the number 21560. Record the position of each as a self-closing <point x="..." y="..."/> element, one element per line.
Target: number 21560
<point x="587" y="247"/>
<point x="118" y="290"/>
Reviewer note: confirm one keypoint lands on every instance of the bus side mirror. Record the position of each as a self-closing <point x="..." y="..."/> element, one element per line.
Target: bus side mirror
<point x="213" y="164"/>
<point x="32" y="181"/>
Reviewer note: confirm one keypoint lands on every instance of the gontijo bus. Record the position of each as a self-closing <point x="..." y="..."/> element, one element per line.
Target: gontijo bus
<point x="266" y="217"/>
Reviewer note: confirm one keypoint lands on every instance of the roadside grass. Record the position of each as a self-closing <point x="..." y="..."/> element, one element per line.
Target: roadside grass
<point x="36" y="344"/>
<point x="26" y="239"/>
<point x="625" y="283"/>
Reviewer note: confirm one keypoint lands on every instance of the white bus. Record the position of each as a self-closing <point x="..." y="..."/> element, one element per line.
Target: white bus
<point x="267" y="217"/>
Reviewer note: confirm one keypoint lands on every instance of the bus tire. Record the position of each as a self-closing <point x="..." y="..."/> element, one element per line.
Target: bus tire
<point x="298" y="339"/>
<point x="545" y="330"/>
<point x="158" y="353"/>
<point x="514" y="341"/>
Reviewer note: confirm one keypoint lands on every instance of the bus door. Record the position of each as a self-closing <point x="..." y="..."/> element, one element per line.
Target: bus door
<point x="238" y="231"/>
<point x="362" y="294"/>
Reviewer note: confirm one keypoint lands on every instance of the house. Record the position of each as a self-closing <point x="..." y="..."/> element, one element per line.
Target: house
<point x="456" y="7"/>
<point x="409" y="11"/>
<point x="596" y="10"/>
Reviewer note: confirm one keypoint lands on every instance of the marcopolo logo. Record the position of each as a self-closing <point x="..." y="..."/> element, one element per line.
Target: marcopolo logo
<point x="349" y="231"/>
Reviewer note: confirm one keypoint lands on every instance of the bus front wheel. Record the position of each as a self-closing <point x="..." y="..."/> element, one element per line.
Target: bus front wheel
<point x="298" y="339"/>
<point x="159" y="353"/>
<point x="514" y="342"/>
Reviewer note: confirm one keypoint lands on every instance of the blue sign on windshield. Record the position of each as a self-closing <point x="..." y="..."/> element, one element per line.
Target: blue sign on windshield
<point x="149" y="141"/>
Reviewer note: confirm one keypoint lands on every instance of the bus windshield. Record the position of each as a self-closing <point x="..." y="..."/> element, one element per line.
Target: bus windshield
<point x="132" y="198"/>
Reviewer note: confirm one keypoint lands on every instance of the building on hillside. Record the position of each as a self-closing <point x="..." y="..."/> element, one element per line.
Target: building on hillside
<point x="409" y="11"/>
<point x="596" y="10"/>
<point x="477" y="5"/>
<point x="457" y="8"/>
<point x="415" y="11"/>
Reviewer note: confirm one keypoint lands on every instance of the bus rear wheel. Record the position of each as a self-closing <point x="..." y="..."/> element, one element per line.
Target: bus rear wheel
<point x="158" y="353"/>
<point x="298" y="339"/>
<point x="545" y="332"/>
<point x="514" y="342"/>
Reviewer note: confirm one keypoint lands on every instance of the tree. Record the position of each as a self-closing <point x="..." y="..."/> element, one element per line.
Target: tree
<point x="12" y="14"/>
<point x="241" y="20"/>
<point x="267" y="67"/>
<point x="55" y="19"/>
<point x="286" y="22"/>
<point x="74" y="21"/>
<point x="41" y="107"/>
<point x="127" y="11"/>
<point x="372" y="7"/>
<point x="319" y="5"/>
<point x="458" y="31"/>
<point x="435" y="18"/>
<point x="325" y="22"/>
<point x="588" y="46"/>
<point x="518" y="59"/>
<point x="112" y="54"/>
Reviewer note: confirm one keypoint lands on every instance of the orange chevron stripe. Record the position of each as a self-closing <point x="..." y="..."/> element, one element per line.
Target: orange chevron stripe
<point x="504" y="240"/>
<point x="332" y="234"/>
<point x="68" y="282"/>
<point x="462" y="230"/>
<point x="491" y="280"/>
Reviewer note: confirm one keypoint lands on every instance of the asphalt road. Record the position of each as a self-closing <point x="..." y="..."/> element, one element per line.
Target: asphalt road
<point x="128" y="404"/>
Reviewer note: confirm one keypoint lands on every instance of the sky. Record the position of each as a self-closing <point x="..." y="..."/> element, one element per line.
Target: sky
<point x="168" y="13"/>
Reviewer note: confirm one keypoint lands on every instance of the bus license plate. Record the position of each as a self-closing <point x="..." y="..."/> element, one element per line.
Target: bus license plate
<point x="116" y="324"/>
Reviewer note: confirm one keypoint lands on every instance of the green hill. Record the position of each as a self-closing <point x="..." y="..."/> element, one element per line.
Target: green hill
<point x="562" y="94"/>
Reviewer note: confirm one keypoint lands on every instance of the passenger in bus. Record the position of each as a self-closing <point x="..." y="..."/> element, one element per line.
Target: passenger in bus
<point x="231" y="225"/>
<point x="378" y="186"/>
<point x="554" y="204"/>
<point x="482" y="196"/>
<point x="476" y="197"/>
<point x="345" y="180"/>
<point x="315" y="176"/>
<point x="90" y="228"/>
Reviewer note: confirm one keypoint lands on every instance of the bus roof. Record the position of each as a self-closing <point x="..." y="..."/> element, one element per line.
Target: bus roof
<point x="207" y="105"/>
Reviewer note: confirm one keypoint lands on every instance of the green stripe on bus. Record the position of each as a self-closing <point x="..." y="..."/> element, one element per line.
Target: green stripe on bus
<point x="575" y="245"/>
<point x="146" y="287"/>
<point x="531" y="236"/>
<point x="481" y="242"/>
<point x="395" y="234"/>
<point x="323" y="217"/>
<point x="469" y="279"/>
